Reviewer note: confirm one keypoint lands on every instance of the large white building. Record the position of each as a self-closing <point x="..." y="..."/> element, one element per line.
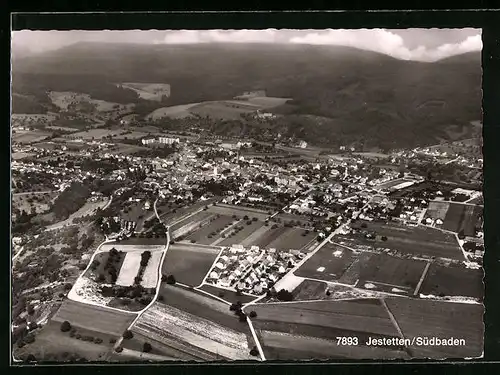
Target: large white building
<point x="168" y="140"/>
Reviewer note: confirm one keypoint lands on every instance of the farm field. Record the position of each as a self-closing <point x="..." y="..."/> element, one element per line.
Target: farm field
<point x="427" y="318"/>
<point x="453" y="281"/>
<point x="390" y="274"/>
<point x="326" y="319"/>
<point x="188" y="224"/>
<point x="101" y="133"/>
<point x="309" y="290"/>
<point x="203" y="306"/>
<point x="221" y="110"/>
<point x="254" y="236"/>
<point x="227" y="295"/>
<point x="22" y="155"/>
<point x="95" y="318"/>
<point x="176" y="111"/>
<point x="437" y="210"/>
<point x="136" y="212"/>
<point x="267" y="101"/>
<point x="150" y="278"/>
<point x="129" y="269"/>
<point x="141" y="241"/>
<point x="149" y="91"/>
<point x="285" y="217"/>
<point x="283" y="346"/>
<point x="241" y="237"/>
<point x="53" y="345"/>
<point x="21" y="202"/>
<point x="126" y="149"/>
<point x="198" y="336"/>
<point x="226" y="209"/>
<point x="406" y="240"/>
<point x="269" y="236"/>
<point x="462" y="217"/>
<point x="26" y="137"/>
<point x="329" y="263"/>
<point x="121" y="246"/>
<point x="201" y="234"/>
<point x="292" y="239"/>
<point x="188" y="264"/>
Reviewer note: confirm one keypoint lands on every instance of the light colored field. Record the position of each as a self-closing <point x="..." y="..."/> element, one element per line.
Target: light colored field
<point x="267" y="101"/>
<point x="220" y="110"/>
<point x="176" y="111"/>
<point x="129" y="269"/>
<point x="63" y="128"/>
<point x="150" y="277"/>
<point x="93" y="317"/>
<point x="149" y="91"/>
<point x="22" y="155"/>
<point x="21" y="117"/>
<point x="63" y="99"/>
<point x="194" y="330"/>
<point x="26" y="137"/>
<point x="96" y="133"/>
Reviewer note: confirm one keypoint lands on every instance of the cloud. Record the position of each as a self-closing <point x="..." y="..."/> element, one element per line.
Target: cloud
<point x="389" y="43"/>
<point x="218" y="36"/>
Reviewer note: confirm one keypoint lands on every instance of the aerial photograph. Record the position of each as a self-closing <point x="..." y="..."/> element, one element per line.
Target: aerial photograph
<point x="246" y="195"/>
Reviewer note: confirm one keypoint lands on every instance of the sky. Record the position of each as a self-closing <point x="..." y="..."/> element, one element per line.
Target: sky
<point x="407" y="44"/>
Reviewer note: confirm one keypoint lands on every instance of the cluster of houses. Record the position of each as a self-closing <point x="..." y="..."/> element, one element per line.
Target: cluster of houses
<point x="251" y="270"/>
<point x="160" y="140"/>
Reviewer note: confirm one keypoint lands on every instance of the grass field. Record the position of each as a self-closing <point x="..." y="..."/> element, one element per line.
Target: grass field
<point x="201" y="235"/>
<point x="462" y="217"/>
<point x="176" y="111"/>
<point x="149" y="91"/>
<point x="188" y="264"/>
<point x="88" y="209"/>
<point x="292" y="239"/>
<point x="26" y="137"/>
<point x="226" y="209"/>
<point x="269" y="236"/>
<point x="453" y="281"/>
<point x="241" y="237"/>
<point x="329" y="263"/>
<point x="198" y="304"/>
<point x="437" y="210"/>
<point x="53" y="345"/>
<point x="150" y="277"/>
<point x="406" y="240"/>
<point x="227" y="295"/>
<point x="94" y="318"/>
<point x="197" y="335"/>
<point x="426" y="318"/>
<point x="221" y="110"/>
<point x="153" y="241"/>
<point x="390" y="274"/>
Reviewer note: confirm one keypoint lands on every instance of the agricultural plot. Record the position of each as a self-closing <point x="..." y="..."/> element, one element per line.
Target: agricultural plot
<point x="129" y="269"/>
<point x="53" y="345"/>
<point x="22" y="155"/>
<point x="95" y="318"/>
<point x="209" y="233"/>
<point x="225" y="209"/>
<point x="242" y="236"/>
<point x="198" y="336"/>
<point x="267" y="101"/>
<point x="326" y="319"/>
<point x="269" y="236"/>
<point x="220" y="110"/>
<point x="251" y="239"/>
<point x="123" y="246"/>
<point x="102" y="259"/>
<point x="88" y="209"/>
<point x="390" y="274"/>
<point x="227" y="295"/>
<point x="39" y="205"/>
<point x="189" y="264"/>
<point x="453" y="281"/>
<point x="292" y="239"/>
<point x="141" y="241"/>
<point x="176" y="111"/>
<point x="284" y="346"/>
<point x="203" y="306"/>
<point x="329" y="263"/>
<point x="149" y="91"/>
<point x="421" y="241"/>
<point x="95" y="134"/>
<point x="462" y="217"/>
<point x="27" y="137"/>
<point x="186" y="220"/>
<point x="437" y="210"/>
<point x="427" y="318"/>
<point x="150" y="278"/>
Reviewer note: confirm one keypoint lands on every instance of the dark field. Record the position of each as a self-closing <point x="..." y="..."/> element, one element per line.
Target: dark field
<point x="334" y="266"/>
<point x="242" y="235"/>
<point x="453" y="281"/>
<point x="227" y="295"/>
<point x="292" y="238"/>
<point x="201" y="235"/>
<point x="462" y="217"/>
<point x="426" y="318"/>
<point x="189" y="265"/>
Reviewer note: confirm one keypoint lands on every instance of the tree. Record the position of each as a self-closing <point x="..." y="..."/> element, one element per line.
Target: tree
<point x="119" y="349"/>
<point x="127" y="335"/>
<point x="29" y="338"/>
<point x="253" y="314"/>
<point x="65" y="326"/>
<point x="254" y="352"/>
<point x="171" y="279"/>
<point x="461" y="234"/>
<point x="384" y="238"/>
<point x="146" y="348"/>
<point x="284" y="295"/>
